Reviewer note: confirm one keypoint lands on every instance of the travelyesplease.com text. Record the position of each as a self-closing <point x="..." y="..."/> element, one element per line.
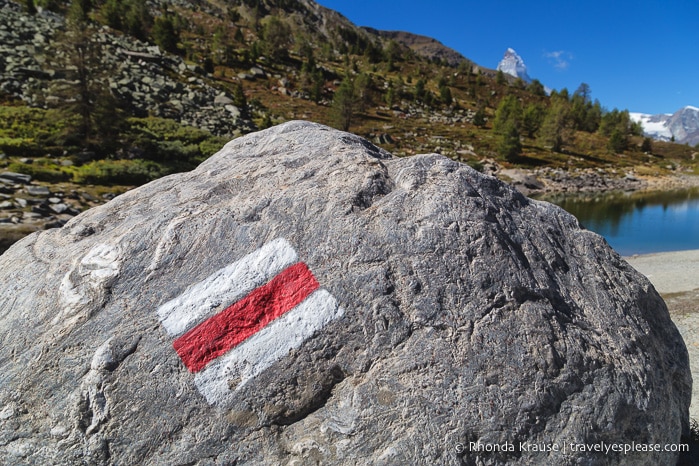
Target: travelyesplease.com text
<point x="599" y="447"/>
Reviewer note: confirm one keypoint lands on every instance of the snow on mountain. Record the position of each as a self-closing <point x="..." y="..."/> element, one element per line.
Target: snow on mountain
<point x="683" y="125"/>
<point x="654" y="126"/>
<point x="513" y="65"/>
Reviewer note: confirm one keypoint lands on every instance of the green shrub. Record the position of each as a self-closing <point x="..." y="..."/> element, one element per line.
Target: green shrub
<point x="169" y="142"/>
<point x="167" y="130"/>
<point x="177" y="151"/>
<point x="211" y="145"/>
<point x="43" y="172"/>
<point x="476" y="165"/>
<point x="122" y="172"/>
<point x="43" y="127"/>
<point x="19" y="147"/>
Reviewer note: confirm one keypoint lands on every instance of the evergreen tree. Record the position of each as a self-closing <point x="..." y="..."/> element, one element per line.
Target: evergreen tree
<point x="636" y="128"/>
<point x="444" y="92"/>
<point x="532" y="118"/>
<point x="316" y="90"/>
<point x="585" y="116"/>
<point x="536" y="88"/>
<point x="51" y="5"/>
<point x="647" y="145"/>
<point x="583" y="91"/>
<point x="79" y="10"/>
<point x="554" y="131"/>
<point x="509" y="111"/>
<point x="164" y="34"/>
<point x="615" y="121"/>
<point x="276" y="38"/>
<point x="238" y="36"/>
<point x="239" y="99"/>
<point x="390" y="94"/>
<point x="500" y="78"/>
<point x="509" y="145"/>
<point x="137" y="20"/>
<point x="344" y="104"/>
<point x="618" y="141"/>
<point x="479" y="118"/>
<point x="363" y="92"/>
<point x="91" y="112"/>
<point x="30" y="7"/>
<point x="112" y="12"/>
<point x="420" y="91"/>
<point x="593" y="117"/>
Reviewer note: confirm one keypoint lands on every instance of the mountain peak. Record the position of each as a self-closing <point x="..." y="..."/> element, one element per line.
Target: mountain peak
<point x="513" y="65"/>
<point x="683" y="125"/>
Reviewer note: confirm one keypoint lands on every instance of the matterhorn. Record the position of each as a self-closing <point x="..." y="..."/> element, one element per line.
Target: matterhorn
<point x="513" y="65"/>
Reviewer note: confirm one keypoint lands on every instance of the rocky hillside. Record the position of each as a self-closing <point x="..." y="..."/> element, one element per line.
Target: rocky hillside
<point x="416" y="308"/>
<point x="140" y="75"/>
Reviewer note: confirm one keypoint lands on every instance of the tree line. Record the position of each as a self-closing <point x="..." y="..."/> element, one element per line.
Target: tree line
<point x="554" y="123"/>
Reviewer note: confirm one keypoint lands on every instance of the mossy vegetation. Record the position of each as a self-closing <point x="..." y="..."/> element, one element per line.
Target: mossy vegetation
<point x="148" y="148"/>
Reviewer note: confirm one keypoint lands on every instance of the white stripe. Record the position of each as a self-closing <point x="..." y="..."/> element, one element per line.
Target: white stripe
<point x="234" y="369"/>
<point x="226" y="286"/>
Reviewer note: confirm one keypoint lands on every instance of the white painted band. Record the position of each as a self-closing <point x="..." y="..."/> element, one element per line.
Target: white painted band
<point x="226" y="286"/>
<point x="234" y="369"/>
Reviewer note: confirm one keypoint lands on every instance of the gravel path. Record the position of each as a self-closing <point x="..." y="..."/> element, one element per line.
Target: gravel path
<point x="676" y="277"/>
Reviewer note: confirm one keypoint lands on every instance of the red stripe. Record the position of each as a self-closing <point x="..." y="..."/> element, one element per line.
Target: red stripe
<point x="242" y="319"/>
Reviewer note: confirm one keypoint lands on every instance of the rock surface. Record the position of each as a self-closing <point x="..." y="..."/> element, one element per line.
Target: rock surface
<point x="469" y="314"/>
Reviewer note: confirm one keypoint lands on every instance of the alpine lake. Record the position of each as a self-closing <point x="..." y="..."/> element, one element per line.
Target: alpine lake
<point x="638" y="222"/>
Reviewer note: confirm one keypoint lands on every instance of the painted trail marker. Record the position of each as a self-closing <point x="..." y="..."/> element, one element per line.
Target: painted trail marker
<point x="272" y="304"/>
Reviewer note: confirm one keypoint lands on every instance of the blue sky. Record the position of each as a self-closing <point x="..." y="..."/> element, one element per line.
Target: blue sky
<point x="642" y="55"/>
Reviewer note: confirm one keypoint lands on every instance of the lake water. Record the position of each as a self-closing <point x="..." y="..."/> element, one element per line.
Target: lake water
<point x="639" y="223"/>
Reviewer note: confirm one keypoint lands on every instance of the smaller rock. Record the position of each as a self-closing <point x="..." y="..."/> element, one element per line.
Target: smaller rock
<point x="59" y="208"/>
<point x="54" y="224"/>
<point x="41" y="191"/>
<point x="6" y="205"/>
<point x="222" y="100"/>
<point x="7" y="412"/>
<point x="88" y="197"/>
<point x="54" y="200"/>
<point x="233" y="110"/>
<point x="257" y="72"/>
<point x="59" y="431"/>
<point x="16" y="177"/>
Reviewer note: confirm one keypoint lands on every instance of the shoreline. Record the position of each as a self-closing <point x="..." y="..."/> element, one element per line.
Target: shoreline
<point x="675" y="275"/>
<point x="547" y="180"/>
<point x="669" y="272"/>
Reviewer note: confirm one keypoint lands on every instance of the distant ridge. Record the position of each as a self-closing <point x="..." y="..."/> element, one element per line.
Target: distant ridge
<point x="683" y="125"/>
<point x="424" y="46"/>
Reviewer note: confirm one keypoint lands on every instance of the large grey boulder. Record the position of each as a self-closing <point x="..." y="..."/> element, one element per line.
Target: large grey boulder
<point x="452" y="314"/>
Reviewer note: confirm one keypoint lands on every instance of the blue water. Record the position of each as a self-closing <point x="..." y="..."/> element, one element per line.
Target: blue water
<point x="640" y="223"/>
